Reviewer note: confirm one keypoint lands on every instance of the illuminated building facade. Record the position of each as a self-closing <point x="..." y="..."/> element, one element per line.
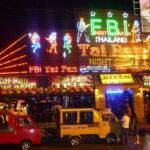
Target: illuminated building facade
<point x="107" y="52"/>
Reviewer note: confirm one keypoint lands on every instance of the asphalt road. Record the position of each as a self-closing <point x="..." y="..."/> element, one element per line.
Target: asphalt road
<point x="90" y="145"/>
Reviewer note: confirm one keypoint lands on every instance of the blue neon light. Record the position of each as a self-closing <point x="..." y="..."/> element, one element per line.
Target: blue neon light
<point x="35" y="42"/>
<point x="114" y="92"/>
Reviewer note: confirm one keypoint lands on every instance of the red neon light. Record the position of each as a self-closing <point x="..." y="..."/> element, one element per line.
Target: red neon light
<point x="13" y="60"/>
<point x="13" y="66"/>
<point x="35" y="69"/>
<point x="13" y="52"/>
<point x="17" y="72"/>
<point x="65" y="69"/>
<point x="51" y="69"/>
<point x="12" y="44"/>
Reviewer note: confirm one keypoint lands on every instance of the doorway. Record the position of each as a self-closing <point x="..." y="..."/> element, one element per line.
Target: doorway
<point x="118" y="100"/>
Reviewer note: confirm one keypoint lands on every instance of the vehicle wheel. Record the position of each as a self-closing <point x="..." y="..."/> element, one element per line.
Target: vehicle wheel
<point x="74" y="141"/>
<point x="111" y="139"/>
<point x="26" y="145"/>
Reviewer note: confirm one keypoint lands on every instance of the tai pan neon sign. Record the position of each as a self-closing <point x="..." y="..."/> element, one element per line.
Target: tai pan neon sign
<point x="116" y="78"/>
<point x="15" y="82"/>
<point x="108" y="27"/>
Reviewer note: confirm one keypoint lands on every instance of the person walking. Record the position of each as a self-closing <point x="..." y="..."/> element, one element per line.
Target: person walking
<point x="124" y="128"/>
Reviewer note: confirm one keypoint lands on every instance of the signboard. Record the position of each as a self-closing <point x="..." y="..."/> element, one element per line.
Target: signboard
<point x="116" y="78"/>
<point x="72" y="80"/>
<point x="74" y="127"/>
<point x="145" y="14"/>
<point x="15" y="82"/>
<point x="146" y="80"/>
<point x="36" y="53"/>
<point x="114" y="57"/>
<point x="103" y="26"/>
<point x="104" y="42"/>
<point x="110" y="41"/>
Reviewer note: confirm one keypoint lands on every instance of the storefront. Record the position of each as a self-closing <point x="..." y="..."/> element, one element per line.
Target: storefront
<point x="117" y="90"/>
<point x="44" y="94"/>
<point x="146" y="96"/>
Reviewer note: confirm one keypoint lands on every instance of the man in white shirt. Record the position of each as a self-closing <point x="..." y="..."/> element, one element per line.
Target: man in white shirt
<point x="124" y="128"/>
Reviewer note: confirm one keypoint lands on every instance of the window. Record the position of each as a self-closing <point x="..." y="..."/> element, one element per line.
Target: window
<point x="25" y="122"/>
<point x="3" y="121"/>
<point x="86" y="117"/>
<point x="108" y="117"/>
<point x="70" y="117"/>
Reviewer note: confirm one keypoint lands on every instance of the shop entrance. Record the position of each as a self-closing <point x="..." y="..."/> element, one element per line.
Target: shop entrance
<point x="118" y="101"/>
<point x="146" y="95"/>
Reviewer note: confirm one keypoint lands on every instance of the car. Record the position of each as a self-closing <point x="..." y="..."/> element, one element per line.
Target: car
<point x="18" y="128"/>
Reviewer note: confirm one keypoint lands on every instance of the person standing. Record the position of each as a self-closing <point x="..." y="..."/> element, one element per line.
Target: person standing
<point x="124" y="128"/>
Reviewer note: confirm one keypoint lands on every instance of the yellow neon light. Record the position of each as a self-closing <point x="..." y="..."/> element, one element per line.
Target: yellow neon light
<point x="116" y="78"/>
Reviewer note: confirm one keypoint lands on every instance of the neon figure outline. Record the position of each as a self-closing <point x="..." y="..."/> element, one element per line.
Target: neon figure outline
<point x="136" y="35"/>
<point x="35" y="42"/>
<point x="53" y="43"/>
<point x="82" y="30"/>
<point x="67" y="42"/>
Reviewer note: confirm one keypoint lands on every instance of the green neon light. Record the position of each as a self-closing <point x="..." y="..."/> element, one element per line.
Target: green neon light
<point x="112" y="27"/>
<point x="125" y="23"/>
<point x="95" y="24"/>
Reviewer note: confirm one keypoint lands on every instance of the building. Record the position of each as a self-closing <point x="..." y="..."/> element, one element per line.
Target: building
<point x="103" y="63"/>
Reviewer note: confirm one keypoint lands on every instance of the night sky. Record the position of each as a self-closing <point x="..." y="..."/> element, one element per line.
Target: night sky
<point x="19" y="16"/>
<point x="67" y="4"/>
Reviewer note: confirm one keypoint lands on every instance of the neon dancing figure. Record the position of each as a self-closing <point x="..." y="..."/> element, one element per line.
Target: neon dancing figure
<point x="35" y="40"/>
<point x="136" y="35"/>
<point x="67" y="42"/>
<point x="53" y="43"/>
<point x="82" y="30"/>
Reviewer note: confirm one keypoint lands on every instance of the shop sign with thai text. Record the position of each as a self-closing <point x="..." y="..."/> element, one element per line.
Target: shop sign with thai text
<point x="72" y="80"/>
<point x="116" y="78"/>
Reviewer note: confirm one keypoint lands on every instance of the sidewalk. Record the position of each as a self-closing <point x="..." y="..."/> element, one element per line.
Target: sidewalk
<point x="131" y="143"/>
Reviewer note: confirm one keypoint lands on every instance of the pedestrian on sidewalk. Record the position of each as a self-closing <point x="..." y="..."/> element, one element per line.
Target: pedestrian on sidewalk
<point x="124" y="128"/>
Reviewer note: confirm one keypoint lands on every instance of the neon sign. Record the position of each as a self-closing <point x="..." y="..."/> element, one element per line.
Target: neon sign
<point x="82" y="30"/>
<point x="117" y="57"/>
<point x="73" y="80"/>
<point x="65" y="69"/>
<point x="52" y="69"/>
<point x="35" y="42"/>
<point x="67" y="44"/>
<point x="15" y="82"/>
<point x="52" y="39"/>
<point x="116" y="78"/>
<point x="94" y="69"/>
<point x="108" y="27"/>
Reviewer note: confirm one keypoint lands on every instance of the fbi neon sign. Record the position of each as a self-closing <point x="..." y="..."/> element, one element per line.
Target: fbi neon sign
<point x="108" y="27"/>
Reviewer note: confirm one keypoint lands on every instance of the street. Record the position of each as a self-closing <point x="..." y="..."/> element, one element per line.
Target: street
<point x="53" y="145"/>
